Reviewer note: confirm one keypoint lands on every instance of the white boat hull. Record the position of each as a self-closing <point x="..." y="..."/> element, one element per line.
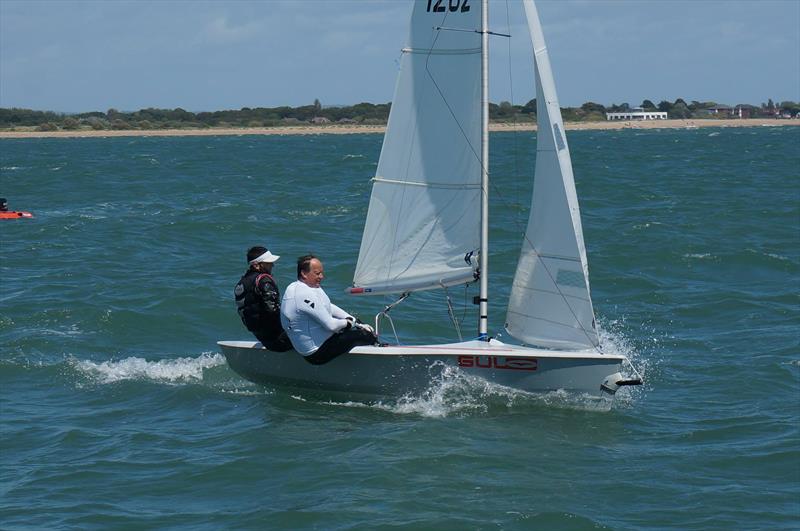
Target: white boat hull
<point x="399" y="370"/>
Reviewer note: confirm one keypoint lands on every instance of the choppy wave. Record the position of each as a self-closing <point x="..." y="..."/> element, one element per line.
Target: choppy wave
<point x="699" y="256"/>
<point x="778" y="257"/>
<point x="326" y="211"/>
<point x="179" y="370"/>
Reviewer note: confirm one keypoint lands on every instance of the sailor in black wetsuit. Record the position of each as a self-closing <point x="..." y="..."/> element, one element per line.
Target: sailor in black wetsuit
<point x="258" y="301"/>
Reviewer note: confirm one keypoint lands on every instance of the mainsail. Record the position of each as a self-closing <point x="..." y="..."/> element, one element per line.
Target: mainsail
<point x="424" y="212"/>
<point x="550" y="304"/>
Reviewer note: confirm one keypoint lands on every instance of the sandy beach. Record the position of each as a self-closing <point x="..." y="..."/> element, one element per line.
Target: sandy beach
<point x="375" y="129"/>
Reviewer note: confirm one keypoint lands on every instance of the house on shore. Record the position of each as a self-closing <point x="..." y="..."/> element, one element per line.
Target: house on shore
<point x="739" y="111"/>
<point x="717" y="110"/>
<point x="746" y="111"/>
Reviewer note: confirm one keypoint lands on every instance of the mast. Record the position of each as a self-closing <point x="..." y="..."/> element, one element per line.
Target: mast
<point x="483" y="322"/>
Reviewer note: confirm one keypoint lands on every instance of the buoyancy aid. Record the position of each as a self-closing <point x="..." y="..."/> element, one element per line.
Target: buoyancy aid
<point x="259" y="313"/>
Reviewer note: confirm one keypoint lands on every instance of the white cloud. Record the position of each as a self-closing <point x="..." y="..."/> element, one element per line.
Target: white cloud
<point x="220" y="30"/>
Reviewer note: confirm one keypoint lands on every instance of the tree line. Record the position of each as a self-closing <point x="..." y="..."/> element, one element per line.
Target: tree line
<point x="362" y="113"/>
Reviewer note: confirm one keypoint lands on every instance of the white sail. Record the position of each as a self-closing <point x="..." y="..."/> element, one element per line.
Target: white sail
<point x="550" y="303"/>
<point x="424" y="212"/>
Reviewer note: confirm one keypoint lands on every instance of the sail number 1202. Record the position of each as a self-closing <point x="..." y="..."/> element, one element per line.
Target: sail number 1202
<point x="453" y="5"/>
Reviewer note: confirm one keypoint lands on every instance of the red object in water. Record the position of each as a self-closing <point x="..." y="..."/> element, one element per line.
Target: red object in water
<point x="12" y="214"/>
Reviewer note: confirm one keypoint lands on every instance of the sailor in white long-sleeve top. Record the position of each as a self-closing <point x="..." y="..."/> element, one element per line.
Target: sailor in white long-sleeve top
<point x="317" y="328"/>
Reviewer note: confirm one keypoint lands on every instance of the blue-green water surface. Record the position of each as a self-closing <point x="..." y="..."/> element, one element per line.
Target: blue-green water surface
<point x="118" y="412"/>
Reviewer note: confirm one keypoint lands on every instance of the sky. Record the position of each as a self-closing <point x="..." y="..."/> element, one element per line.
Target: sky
<point x="79" y="56"/>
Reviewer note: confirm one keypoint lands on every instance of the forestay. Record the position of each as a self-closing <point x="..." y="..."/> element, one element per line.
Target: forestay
<point x="424" y="212"/>
<point x="550" y="304"/>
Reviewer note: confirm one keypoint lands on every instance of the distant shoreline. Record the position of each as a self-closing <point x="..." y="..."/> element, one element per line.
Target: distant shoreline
<point x="376" y="129"/>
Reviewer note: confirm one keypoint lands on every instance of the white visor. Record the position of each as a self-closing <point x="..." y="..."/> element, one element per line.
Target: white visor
<point x="266" y="257"/>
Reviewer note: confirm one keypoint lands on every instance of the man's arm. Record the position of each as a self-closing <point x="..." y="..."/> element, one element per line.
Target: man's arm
<point x="340" y="314"/>
<point x="269" y="295"/>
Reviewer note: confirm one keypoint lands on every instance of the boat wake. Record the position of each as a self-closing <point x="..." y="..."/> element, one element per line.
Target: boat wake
<point x="169" y="371"/>
<point x="456" y="394"/>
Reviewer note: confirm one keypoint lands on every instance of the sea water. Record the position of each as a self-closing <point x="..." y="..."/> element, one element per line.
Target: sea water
<point x="118" y="411"/>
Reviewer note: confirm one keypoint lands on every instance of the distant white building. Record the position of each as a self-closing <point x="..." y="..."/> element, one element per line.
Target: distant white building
<point x="636" y="114"/>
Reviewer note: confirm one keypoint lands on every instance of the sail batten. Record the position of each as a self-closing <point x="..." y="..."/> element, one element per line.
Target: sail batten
<point x="557" y="293"/>
<point x="550" y="303"/>
<point x="457" y="186"/>
<point x="442" y="51"/>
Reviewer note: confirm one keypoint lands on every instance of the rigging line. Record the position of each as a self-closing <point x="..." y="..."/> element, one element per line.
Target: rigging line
<point x="466" y="30"/>
<point x="427" y="239"/>
<point x="478" y="157"/>
<point x="396" y="225"/>
<point x="515" y="136"/>
<point x="441" y="92"/>
<point x="408" y="158"/>
<point x="518" y="222"/>
<point x="496" y="190"/>
<point x="452" y="313"/>
<point x="399" y="62"/>
<point x="466" y="138"/>
<point x="424" y="245"/>
<point x="538" y="255"/>
<point x="385" y="313"/>
<point x="439" y="29"/>
<point x="493" y="185"/>
<point x="452" y="112"/>
<point x="466" y="292"/>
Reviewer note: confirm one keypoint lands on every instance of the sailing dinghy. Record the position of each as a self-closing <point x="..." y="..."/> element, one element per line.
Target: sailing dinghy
<point x="427" y="228"/>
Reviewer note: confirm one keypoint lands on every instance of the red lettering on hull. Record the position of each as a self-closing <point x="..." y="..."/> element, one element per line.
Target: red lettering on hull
<point x="498" y="362"/>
